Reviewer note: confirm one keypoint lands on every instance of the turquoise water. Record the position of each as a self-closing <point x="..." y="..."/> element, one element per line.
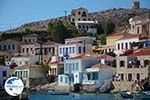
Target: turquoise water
<point x="74" y="96"/>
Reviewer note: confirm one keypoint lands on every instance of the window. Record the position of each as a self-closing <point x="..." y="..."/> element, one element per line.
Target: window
<point x="73" y="19"/>
<point x="9" y="47"/>
<point x="122" y="76"/>
<point x="27" y="50"/>
<point x="118" y="46"/>
<point x="77" y="66"/>
<point x="66" y="50"/>
<point x="69" y="49"/>
<point x="122" y="45"/>
<point x="79" y="12"/>
<point x="23" y="50"/>
<point x="129" y="77"/>
<point x="138" y="30"/>
<point x="95" y="76"/>
<point x="13" y="46"/>
<point x="126" y="45"/>
<point x="79" y="19"/>
<point x="79" y="26"/>
<point x="63" y="50"/>
<point x="0" y="47"/>
<point x="73" y="49"/>
<point x="4" y="47"/>
<point x="122" y="63"/>
<point x="61" y="79"/>
<point x="66" y="80"/>
<point x="146" y="62"/>
<point x="4" y="74"/>
<point x="73" y="66"/>
<point x="84" y="14"/>
<point x="84" y="19"/>
<point x="138" y="76"/>
<point x="79" y="49"/>
<point x="60" y="50"/>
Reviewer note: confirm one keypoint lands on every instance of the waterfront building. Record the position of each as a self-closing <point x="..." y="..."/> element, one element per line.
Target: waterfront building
<point x="111" y="40"/>
<point x="97" y="74"/>
<point x="74" y="69"/>
<point x="56" y="67"/>
<point x="27" y="72"/>
<point x="3" y="75"/>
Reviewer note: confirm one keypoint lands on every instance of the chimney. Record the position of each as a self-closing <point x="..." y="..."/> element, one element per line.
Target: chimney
<point x="136" y="5"/>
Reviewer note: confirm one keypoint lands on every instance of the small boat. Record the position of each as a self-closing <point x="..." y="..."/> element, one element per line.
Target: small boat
<point x="142" y="96"/>
<point x="52" y="92"/>
<point x="126" y="94"/>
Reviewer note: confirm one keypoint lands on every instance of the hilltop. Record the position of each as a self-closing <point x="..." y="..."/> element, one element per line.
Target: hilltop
<point x="119" y="16"/>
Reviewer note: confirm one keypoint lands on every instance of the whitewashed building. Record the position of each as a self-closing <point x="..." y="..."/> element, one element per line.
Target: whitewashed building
<point x="74" y="68"/>
<point x="97" y="74"/>
<point x="73" y="50"/>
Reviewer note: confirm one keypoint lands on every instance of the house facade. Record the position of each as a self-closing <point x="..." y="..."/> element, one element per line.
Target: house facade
<point x="135" y="66"/>
<point x="87" y="26"/>
<point x="80" y="14"/>
<point x="140" y="24"/>
<point x="3" y="74"/>
<point x="75" y="49"/>
<point x="74" y="68"/>
<point x="31" y="38"/>
<point x="82" y="39"/>
<point x="9" y="45"/>
<point x="98" y="74"/>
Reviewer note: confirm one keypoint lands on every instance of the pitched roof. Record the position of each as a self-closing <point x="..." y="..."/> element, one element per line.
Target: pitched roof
<point x="141" y="52"/>
<point x="100" y="66"/>
<point x="130" y="36"/>
<point x="116" y="34"/>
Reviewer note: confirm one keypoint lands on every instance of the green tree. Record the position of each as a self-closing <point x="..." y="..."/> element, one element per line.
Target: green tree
<point x="58" y="31"/>
<point x="102" y="38"/>
<point x="108" y="27"/>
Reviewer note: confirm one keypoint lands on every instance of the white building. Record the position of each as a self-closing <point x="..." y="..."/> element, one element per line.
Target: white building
<point x="22" y="60"/>
<point x="97" y="74"/>
<point x="3" y="74"/>
<point x="73" y="50"/>
<point x="125" y="43"/>
<point x="88" y="26"/>
<point x="74" y="68"/>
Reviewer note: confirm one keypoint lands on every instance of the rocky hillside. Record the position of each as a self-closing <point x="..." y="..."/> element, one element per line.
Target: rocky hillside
<point x="119" y="16"/>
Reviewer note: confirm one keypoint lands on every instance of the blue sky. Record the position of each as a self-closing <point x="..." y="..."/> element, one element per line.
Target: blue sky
<point x="14" y="13"/>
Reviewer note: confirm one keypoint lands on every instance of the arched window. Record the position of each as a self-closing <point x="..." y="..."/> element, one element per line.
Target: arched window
<point x="122" y="63"/>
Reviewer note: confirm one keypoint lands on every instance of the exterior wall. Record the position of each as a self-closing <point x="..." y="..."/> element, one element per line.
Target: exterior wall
<point x="139" y="26"/>
<point x="28" y="49"/>
<point x="73" y="49"/>
<point x="20" y="61"/>
<point x="29" y="39"/>
<point x="85" y="39"/>
<point x="103" y="74"/>
<point x="142" y="70"/>
<point x="63" y="80"/>
<point x="3" y="74"/>
<point x="121" y="48"/>
<point x="10" y="46"/>
<point x="110" y="40"/>
<point x="75" y="16"/>
<point x="56" y="69"/>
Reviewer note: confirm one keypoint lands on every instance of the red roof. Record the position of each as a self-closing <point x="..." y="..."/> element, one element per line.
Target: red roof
<point x="130" y="36"/>
<point x="116" y="34"/>
<point x="141" y="52"/>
